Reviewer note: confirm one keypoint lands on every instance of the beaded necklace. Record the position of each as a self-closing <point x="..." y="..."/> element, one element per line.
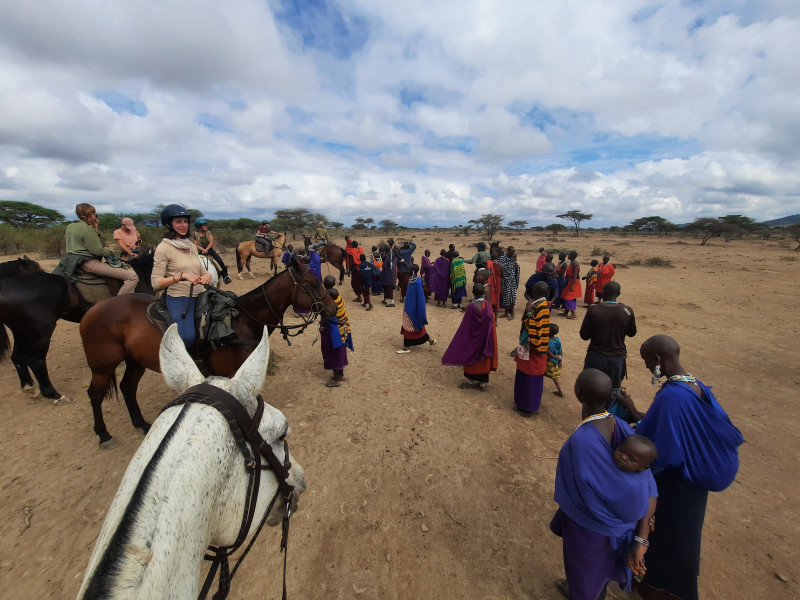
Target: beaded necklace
<point x="685" y="378"/>
<point x="595" y="417"/>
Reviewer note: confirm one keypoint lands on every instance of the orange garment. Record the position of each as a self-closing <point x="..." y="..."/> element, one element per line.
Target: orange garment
<point x="355" y="254"/>
<point x="604" y="275"/>
<point x="572" y="287"/>
<point x="591" y="282"/>
<point x="495" y="283"/>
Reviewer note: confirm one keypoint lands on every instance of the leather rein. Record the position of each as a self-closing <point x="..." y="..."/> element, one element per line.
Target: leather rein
<point x="316" y="308"/>
<point x="254" y="448"/>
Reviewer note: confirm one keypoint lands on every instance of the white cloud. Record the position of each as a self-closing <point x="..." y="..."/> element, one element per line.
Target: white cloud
<point x="622" y="108"/>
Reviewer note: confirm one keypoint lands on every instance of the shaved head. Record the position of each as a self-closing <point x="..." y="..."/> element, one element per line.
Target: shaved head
<point x="593" y="388"/>
<point x="540" y="289"/>
<point x="611" y="290"/>
<point x="661" y="345"/>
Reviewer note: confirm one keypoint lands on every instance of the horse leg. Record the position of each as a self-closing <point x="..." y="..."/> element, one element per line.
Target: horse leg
<point x="31" y="353"/>
<point x="128" y="386"/>
<point x="341" y="273"/>
<point x="101" y="384"/>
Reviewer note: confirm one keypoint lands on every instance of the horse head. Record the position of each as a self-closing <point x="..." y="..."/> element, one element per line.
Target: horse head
<point x="181" y="372"/>
<point x="314" y="294"/>
<point x="28" y="265"/>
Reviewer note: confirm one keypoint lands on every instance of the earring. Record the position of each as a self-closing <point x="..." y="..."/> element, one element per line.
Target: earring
<point x="656" y="375"/>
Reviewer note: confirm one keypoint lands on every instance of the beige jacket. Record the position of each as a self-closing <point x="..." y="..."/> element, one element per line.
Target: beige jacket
<point x="169" y="261"/>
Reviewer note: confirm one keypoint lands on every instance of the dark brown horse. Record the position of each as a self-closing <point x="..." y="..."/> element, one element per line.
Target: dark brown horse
<point x="20" y="266"/>
<point x="117" y="330"/>
<point x="331" y="254"/>
<point x="31" y="305"/>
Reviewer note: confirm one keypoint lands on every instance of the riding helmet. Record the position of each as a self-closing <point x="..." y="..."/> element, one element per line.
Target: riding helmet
<point x="200" y="222"/>
<point x="172" y="211"/>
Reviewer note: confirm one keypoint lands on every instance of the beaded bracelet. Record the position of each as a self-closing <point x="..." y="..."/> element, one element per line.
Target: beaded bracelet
<point x="641" y="540"/>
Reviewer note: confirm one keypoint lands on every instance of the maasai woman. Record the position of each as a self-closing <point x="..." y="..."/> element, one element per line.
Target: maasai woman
<point x="508" y="293"/>
<point x="531" y="357"/>
<point x="572" y="288"/>
<point x="458" y="280"/>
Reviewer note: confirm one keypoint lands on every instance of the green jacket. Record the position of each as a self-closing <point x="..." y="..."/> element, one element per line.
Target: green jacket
<point x="83" y="240"/>
<point x="321" y="233"/>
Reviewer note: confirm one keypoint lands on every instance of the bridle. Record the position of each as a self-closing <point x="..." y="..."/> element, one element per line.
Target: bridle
<point x="317" y="306"/>
<point x="253" y="447"/>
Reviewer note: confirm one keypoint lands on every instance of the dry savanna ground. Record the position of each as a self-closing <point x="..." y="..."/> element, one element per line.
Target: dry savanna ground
<point x="417" y="489"/>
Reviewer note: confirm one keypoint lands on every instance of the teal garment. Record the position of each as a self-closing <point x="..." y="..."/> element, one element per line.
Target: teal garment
<point x="554" y="345"/>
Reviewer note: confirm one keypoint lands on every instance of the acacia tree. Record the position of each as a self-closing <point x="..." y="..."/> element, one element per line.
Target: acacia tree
<point x="576" y="217"/>
<point x="518" y="225"/>
<point x="709" y="227"/>
<point x="488" y="224"/>
<point x="555" y="228"/>
<point x="295" y="219"/>
<point x="25" y="214"/>
<point x="387" y="225"/>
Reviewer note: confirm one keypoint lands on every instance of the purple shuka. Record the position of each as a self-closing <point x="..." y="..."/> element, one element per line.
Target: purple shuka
<point x="439" y="278"/>
<point x="474" y="339"/>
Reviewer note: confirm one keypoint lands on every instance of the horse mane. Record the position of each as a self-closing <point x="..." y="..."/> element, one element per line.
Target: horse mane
<point x="107" y="570"/>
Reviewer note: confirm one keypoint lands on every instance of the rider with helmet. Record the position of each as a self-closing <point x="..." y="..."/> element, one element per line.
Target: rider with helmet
<point x="85" y="252"/>
<point x="204" y="240"/>
<point x="263" y="238"/>
<point x="176" y="269"/>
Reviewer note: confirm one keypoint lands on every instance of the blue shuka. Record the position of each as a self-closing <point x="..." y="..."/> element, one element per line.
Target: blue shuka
<point x="693" y="435"/>
<point x="414" y="305"/>
<point x="315" y="263"/>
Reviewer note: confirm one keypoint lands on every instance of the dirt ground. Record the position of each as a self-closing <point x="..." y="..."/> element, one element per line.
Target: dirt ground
<point x="417" y="489"/>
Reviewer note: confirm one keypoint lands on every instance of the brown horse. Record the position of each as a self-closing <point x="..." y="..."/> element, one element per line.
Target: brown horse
<point x="331" y="254"/>
<point x="118" y="330"/>
<point x="247" y="250"/>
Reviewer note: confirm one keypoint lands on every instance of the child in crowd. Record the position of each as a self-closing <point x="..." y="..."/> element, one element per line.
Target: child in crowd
<point x="635" y="453"/>
<point x="335" y="336"/>
<point x="367" y="270"/>
<point x="458" y="280"/>
<point x="554" y="359"/>
<point x="286" y="259"/>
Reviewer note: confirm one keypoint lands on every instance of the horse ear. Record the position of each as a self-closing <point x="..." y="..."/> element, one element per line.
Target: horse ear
<point x="177" y="366"/>
<point x="253" y="371"/>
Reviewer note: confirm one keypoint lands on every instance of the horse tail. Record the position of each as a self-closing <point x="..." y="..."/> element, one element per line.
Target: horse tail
<point x="238" y="259"/>
<point x="5" y="344"/>
<point x="112" y="389"/>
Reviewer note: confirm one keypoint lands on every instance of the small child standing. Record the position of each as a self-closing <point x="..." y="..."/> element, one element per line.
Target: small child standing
<point x="367" y="271"/>
<point x="554" y="359"/>
<point x="286" y="259"/>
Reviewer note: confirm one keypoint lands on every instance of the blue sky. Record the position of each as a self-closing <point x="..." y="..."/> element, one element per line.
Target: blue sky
<point x="422" y="112"/>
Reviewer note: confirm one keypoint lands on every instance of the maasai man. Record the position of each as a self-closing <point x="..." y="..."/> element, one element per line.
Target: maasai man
<point x="377" y="263"/>
<point x="474" y="346"/>
<point x="697" y="453"/>
<point x="335" y="336"/>
<point x="355" y="253"/>
<point x="546" y="274"/>
<point x="606" y="326"/>
<point x="439" y="280"/>
<point x="424" y="272"/>
<point x="388" y="277"/>
<point x="451" y="249"/>
<point x="414" y="317"/>
<point x="540" y="260"/>
<point x="605" y="271"/>
<point x="458" y="280"/>
<point x="510" y="283"/>
<point x="495" y="280"/>
<point x="572" y="287"/>
<point x="480" y="258"/>
<point x="531" y="356"/>
<point x="552" y="271"/>
<point x="315" y="262"/>
<point x="604" y="511"/>
<point x="404" y="267"/>
<point x="591" y="281"/>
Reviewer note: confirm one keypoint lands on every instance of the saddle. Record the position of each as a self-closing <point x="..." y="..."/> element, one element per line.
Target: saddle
<point x="213" y="313"/>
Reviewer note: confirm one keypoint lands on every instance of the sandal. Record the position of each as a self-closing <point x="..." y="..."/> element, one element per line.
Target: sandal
<point x="466" y="385"/>
<point x="332" y="383"/>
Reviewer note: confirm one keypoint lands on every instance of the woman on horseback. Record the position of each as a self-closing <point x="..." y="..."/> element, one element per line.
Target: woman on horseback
<point x="176" y="269"/>
<point x="85" y="252"/>
<point x="204" y="240"/>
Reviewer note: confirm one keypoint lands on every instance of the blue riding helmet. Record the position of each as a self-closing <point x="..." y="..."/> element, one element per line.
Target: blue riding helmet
<point x="200" y="222"/>
<point x="172" y="211"/>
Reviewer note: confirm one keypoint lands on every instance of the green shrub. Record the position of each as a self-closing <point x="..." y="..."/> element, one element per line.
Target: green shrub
<point x="657" y="261"/>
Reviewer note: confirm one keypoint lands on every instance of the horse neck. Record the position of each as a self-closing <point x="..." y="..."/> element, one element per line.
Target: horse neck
<point x="256" y="307"/>
<point x="189" y="501"/>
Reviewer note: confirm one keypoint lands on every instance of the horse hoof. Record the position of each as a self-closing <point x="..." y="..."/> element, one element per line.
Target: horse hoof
<point x="61" y="401"/>
<point x="240" y="277"/>
<point x="109" y="444"/>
